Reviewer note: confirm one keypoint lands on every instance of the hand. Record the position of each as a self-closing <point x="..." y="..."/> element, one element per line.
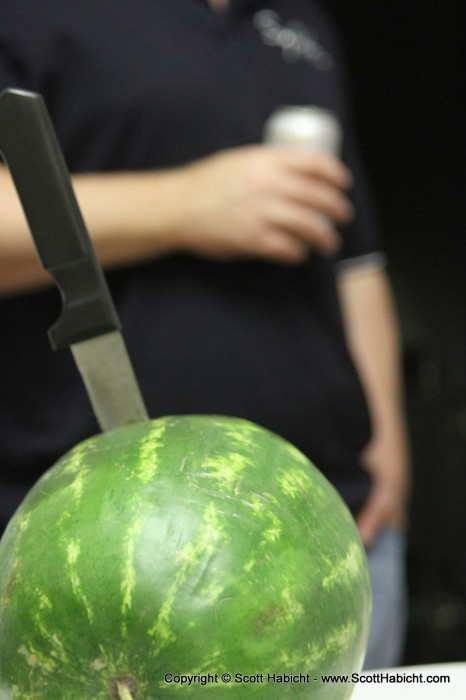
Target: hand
<point x="386" y="504"/>
<point x="277" y="204"/>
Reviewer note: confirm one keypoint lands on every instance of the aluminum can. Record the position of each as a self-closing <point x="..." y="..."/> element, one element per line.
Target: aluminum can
<point x="306" y="127"/>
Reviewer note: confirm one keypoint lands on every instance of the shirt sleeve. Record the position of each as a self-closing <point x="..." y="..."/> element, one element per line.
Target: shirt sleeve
<point x="362" y="245"/>
<point x="362" y="238"/>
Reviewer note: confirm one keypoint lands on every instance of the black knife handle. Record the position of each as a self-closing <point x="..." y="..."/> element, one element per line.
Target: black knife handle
<point x="31" y="150"/>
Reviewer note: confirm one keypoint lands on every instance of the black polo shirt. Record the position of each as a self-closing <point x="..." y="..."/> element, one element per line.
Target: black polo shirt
<point x="137" y="84"/>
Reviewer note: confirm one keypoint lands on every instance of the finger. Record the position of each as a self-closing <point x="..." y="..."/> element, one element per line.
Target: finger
<point x="319" y="195"/>
<point x="282" y="247"/>
<point x="317" y="164"/>
<point x="307" y="225"/>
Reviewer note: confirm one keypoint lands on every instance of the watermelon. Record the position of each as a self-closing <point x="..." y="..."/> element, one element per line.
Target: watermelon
<point x="180" y="557"/>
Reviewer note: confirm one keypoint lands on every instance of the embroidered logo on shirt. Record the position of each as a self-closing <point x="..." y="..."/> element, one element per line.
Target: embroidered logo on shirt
<point x="296" y="41"/>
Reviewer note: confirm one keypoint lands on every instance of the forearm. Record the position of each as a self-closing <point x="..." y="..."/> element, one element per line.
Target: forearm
<point x="373" y="339"/>
<point x="131" y="217"/>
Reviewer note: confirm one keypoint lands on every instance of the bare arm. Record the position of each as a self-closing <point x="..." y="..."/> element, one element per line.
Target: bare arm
<point x="129" y="216"/>
<point x="373" y="340"/>
<point x="274" y="204"/>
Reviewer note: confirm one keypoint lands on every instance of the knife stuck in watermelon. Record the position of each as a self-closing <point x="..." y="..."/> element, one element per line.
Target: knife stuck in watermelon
<point x="88" y="322"/>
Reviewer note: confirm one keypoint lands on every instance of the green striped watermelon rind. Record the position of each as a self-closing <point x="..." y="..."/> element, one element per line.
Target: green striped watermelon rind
<point x="186" y="545"/>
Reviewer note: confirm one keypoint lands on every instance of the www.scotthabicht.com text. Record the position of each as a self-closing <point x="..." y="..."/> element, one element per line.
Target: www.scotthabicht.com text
<point x="288" y="678"/>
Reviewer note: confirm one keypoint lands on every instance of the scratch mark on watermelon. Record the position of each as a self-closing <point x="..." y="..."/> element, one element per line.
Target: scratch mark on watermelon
<point x="190" y="558"/>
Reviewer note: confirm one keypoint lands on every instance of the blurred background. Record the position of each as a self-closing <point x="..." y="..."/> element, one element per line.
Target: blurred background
<point x="408" y="73"/>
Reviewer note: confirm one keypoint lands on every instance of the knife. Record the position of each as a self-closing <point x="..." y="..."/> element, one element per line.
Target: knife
<point x="88" y="322"/>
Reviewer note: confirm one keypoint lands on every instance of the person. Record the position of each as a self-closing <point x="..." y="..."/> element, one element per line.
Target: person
<point x="248" y="278"/>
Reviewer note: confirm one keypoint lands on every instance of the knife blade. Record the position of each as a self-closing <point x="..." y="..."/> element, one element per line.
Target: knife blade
<point x="88" y="322"/>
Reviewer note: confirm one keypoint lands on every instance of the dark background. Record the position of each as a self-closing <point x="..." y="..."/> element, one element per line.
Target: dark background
<point x="408" y="73"/>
